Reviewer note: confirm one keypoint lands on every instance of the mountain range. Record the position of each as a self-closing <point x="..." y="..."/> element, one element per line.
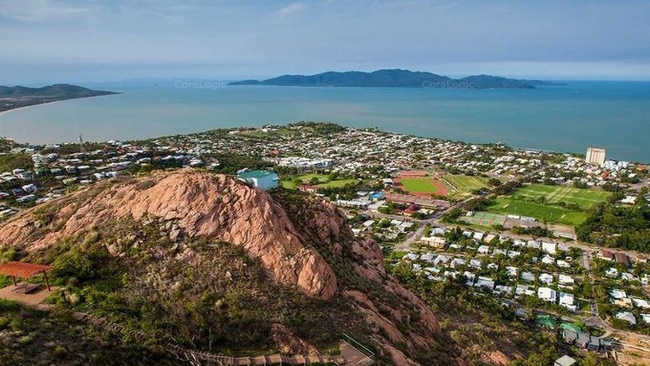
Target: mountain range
<point x="396" y="78"/>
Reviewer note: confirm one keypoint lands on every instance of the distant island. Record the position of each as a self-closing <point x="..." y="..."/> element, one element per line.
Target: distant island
<point x="21" y="96"/>
<point x="396" y="78"/>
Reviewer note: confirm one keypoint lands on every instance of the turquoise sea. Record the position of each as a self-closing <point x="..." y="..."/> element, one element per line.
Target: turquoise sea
<point x="613" y="115"/>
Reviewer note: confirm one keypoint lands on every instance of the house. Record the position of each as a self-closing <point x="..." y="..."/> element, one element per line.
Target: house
<point x="565" y="361"/>
<point x="475" y="263"/>
<point x="533" y="244"/>
<point x="547" y="259"/>
<point x="567" y="300"/>
<point x="547" y="294"/>
<point x="527" y="276"/>
<point x="569" y="335"/>
<point x="617" y="294"/>
<point x="512" y="271"/>
<point x="546" y="278"/>
<point x="606" y="255"/>
<point x="260" y="178"/>
<point x="434" y="241"/>
<point x="411" y="256"/>
<point x="441" y="259"/>
<point x="513" y="253"/>
<point x="456" y="262"/>
<point x="503" y="289"/>
<point x="563" y="264"/>
<point x="640" y="303"/>
<point x="627" y="316"/>
<point x="483" y="249"/>
<point x="622" y="258"/>
<point x="485" y="282"/>
<point x="583" y="340"/>
<point x="549" y="247"/>
<point x="594" y="343"/>
<point x="499" y="251"/>
<point x="427" y="257"/>
<point x="565" y="280"/>
<point x="524" y="290"/>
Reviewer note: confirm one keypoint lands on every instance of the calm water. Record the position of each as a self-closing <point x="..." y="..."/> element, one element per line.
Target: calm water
<point x="613" y="115"/>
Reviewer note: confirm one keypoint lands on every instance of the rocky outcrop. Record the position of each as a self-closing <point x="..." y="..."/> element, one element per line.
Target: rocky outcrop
<point x="300" y="241"/>
<point x="215" y="206"/>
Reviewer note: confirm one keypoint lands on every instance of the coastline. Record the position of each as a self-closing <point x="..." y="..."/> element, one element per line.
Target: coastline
<point x="33" y="105"/>
<point x="553" y="120"/>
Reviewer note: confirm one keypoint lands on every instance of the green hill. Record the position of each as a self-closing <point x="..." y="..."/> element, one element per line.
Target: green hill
<point x="21" y="96"/>
<point x="394" y="78"/>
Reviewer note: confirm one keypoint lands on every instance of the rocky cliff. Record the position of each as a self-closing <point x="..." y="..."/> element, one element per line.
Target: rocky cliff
<point x="300" y="241"/>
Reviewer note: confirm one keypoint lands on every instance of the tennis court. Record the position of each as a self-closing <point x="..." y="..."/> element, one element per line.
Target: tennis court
<point x="485" y="219"/>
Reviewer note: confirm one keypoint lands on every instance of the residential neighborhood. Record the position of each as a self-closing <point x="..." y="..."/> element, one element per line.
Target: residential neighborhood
<point x="500" y="221"/>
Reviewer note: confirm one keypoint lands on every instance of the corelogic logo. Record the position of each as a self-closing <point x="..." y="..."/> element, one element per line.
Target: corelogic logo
<point x="200" y="84"/>
<point x="447" y="84"/>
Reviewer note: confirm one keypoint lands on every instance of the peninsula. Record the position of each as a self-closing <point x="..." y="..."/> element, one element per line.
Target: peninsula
<point x="20" y="96"/>
<point x="396" y="78"/>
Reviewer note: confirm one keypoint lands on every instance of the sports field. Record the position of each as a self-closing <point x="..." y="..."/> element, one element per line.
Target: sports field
<point x="460" y="186"/>
<point x="542" y="212"/>
<point x="419" y="185"/>
<point x="584" y="198"/>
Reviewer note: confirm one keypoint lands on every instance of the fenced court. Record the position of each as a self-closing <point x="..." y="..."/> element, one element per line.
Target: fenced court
<point x="485" y="219"/>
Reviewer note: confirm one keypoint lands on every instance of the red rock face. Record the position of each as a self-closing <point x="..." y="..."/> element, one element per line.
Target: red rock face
<point x="216" y="206"/>
<point x="223" y="208"/>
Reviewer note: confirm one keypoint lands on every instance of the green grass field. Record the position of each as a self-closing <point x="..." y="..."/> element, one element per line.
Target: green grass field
<point x="323" y="181"/>
<point x="464" y="183"/>
<point x="460" y="186"/>
<point x="542" y="212"/>
<point x="585" y="198"/>
<point x="419" y="185"/>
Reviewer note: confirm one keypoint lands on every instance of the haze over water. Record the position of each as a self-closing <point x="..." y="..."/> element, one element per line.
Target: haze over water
<point x="613" y="115"/>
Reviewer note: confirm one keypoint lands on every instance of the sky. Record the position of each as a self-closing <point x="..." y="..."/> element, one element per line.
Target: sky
<point x="47" y="41"/>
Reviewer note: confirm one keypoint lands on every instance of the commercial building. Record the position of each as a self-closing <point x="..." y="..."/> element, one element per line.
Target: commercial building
<point x="595" y="155"/>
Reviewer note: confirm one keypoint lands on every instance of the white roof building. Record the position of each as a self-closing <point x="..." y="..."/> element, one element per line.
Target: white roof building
<point x="484" y="282"/>
<point x="617" y="294"/>
<point x="640" y="303"/>
<point x="527" y="276"/>
<point x="549" y="247"/>
<point x="546" y="278"/>
<point x="566" y="299"/>
<point x="627" y="316"/>
<point x="524" y="290"/>
<point x="547" y="259"/>
<point x="547" y="294"/>
<point x="565" y="280"/>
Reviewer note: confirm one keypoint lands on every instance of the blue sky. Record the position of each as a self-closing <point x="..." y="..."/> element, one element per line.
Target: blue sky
<point x="104" y="40"/>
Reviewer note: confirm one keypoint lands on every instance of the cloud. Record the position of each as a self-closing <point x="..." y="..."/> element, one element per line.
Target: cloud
<point x="290" y="10"/>
<point x="36" y="11"/>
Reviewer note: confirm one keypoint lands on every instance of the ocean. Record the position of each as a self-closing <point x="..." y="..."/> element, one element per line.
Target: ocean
<point x="569" y="118"/>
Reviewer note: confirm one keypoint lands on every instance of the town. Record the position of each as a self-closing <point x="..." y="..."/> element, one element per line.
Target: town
<point x="502" y="222"/>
